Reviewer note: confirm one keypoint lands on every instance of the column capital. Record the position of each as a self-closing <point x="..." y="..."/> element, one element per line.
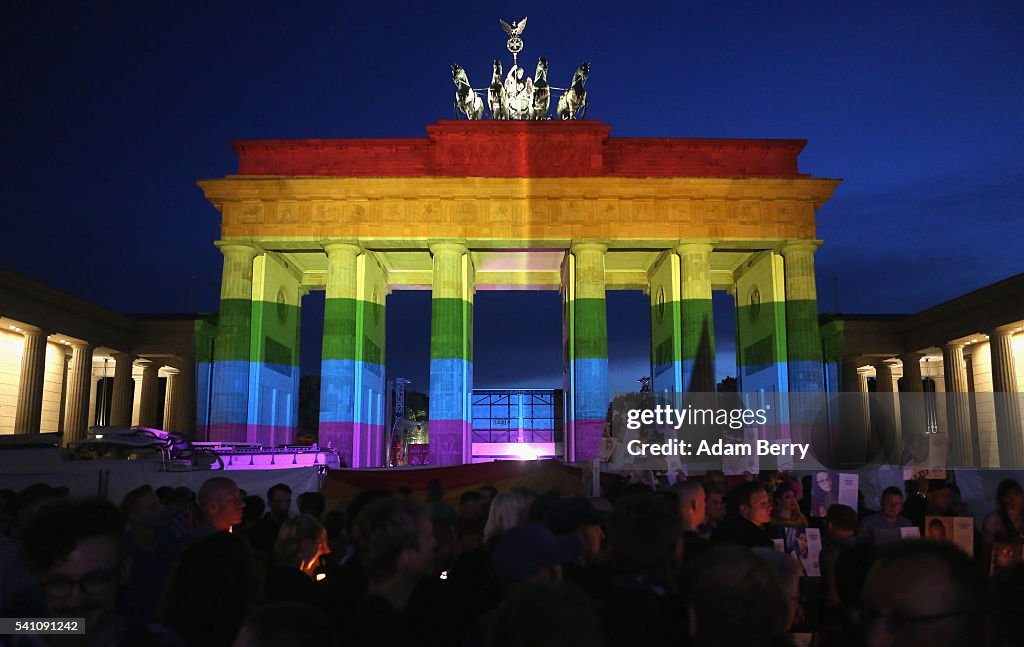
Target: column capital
<point x="228" y="247"/>
<point x="27" y="329"/>
<point x="342" y="247"/>
<point x="694" y="248"/>
<point x="448" y="247"/>
<point x="82" y="346"/>
<point x="119" y="356"/>
<point x="953" y="345"/>
<point x="588" y="246"/>
<point x="1009" y="330"/>
<point x="792" y="247"/>
<point x="910" y="357"/>
<point x="151" y="366"/>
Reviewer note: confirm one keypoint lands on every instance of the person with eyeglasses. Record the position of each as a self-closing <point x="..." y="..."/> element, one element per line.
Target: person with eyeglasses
<point x="924" y="594"/>
<point x="75" y="549"/>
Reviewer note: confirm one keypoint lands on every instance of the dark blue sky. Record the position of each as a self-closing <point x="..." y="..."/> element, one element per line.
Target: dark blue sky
<point x="112" y="111"/>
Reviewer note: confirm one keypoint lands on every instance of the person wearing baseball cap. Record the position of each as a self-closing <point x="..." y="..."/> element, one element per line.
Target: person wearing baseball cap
<point x="531" y="552"/>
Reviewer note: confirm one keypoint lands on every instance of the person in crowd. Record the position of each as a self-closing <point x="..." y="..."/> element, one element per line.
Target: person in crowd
<point x="839" y="536"/>
<point x="348" y="582"/>
<point x="220" y="505"/>
<point x="643" y="604"/>
<point x="301" y="543"/>
<point x="183" y="517"/>
<point x="152" y="553"/>
<point x="279" y="506"/>
<point x="312" y="503"/>
<point x="692" y="511"/>
<point x="789" y="571"/>
<point x="577" y="515"/>
<point x="736" y="599"/>
<point x="471" y="575"/>
<point x="216" y="583"/>
<point x="469" y="526"/>
<point x="546" y="614"/>
<point x="253" y="511"/>
<point x="940" y="500"/>
<point x="888" y="517"/>
<point x="435" y="502"/>
<point x="395" y="544"/>
<point x="1006" y="523"/>
<point x="715" y="509"/>
<point x="508" y="510"/>
<point x="530" y="552"/>
<point x="20" y="593"/>
<point x="924" y="594"/>
<point x="1008" y="598"/>
<point x="286" y="624"/>
<point x="75" y="549"/>
<point x="715" y="478"/>
<point x="750" y="509"/>
<point x="488" y="492"/>
<point x="862" y="507"/>
<point x="526" y="554"/>
<point x="786" y="508"/>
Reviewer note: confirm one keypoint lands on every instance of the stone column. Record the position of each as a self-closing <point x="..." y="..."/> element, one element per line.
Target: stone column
<point x="884" y="382"/>
<point x="149" y="405"/>
<point x="851" y="381"/>
<point x="451" y="355"/>
<point x="185" y="400"/>
<point x="29" y="412"/>
<point x="803" y="337"/>
<point x="587" y="312"/>
<point x="698" y="328"/>
<point x="229" y="407"/>
<point x="852" y="422"/>
<point x="170" y="422"/>
<point x="911" y="398"/>
<point x="1007" y="398"/>
<point x="76" y="421"/>
<point x="958" y="406"/>
<point x="885" y="414"/>
<point x="912" y="372"/>
<point x="339" y="363"/>
<point x="124" y="392"/>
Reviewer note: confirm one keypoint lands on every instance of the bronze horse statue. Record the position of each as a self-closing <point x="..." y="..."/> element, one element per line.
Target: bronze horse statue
<point x="467" y="101"/>
<point x="496" y="99"/>
<point x="576" y="96"/>
<point x="541" y="91"/>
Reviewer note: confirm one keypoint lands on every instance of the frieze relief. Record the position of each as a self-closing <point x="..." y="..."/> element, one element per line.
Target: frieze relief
<point x="500" y="216"/>
<point x="251" y="212"/>
<point x="324" y="211"/>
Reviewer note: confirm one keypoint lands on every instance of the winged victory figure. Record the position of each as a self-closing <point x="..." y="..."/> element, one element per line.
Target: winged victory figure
<point x="516" y="29"/>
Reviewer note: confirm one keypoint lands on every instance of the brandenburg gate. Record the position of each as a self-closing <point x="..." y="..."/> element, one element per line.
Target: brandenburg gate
<point x="505" y="205"/>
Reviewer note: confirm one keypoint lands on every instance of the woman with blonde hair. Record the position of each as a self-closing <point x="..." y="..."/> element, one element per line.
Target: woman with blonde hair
<point x="508" y="510"/>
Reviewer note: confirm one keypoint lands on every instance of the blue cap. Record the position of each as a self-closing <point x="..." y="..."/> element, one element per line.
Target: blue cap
<point x="521" y="552"/>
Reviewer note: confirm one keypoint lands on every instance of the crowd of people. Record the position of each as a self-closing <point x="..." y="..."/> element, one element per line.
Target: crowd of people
<point x="695" y="563"/>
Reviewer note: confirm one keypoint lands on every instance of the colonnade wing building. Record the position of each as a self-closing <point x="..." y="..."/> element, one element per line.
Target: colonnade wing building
<point x="505" y="206"/>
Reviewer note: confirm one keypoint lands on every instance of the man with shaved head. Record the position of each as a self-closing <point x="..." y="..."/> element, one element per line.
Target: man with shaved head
<point x="221" y="504"/>
<point x="692" y="510"/>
